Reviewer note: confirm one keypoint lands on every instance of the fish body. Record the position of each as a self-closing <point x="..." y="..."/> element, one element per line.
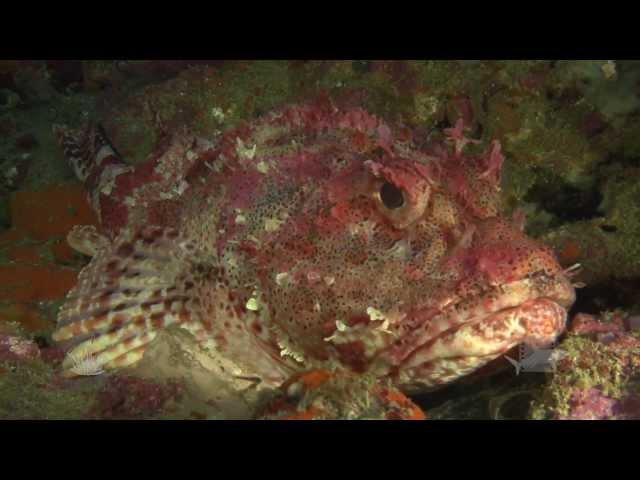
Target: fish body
<point x="312" y="236"/>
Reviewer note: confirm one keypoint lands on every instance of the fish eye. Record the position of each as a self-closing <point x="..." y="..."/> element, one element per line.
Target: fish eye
<point x="391" y="196"/>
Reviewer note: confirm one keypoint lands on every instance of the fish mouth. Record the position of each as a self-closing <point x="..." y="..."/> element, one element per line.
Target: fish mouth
<point x="465" y="335"/>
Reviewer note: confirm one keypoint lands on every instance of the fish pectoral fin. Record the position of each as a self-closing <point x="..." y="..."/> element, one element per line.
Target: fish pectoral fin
<point x="85" y="239"/>
<point x="130" y="290"/>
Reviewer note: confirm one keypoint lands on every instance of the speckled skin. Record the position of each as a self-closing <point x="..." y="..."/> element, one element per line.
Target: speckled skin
<point x="312" y="236"/>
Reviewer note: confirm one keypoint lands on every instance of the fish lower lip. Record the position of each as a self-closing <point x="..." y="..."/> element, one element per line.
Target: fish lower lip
<point x="548" y="296"/>
<point x="459" y="351"/>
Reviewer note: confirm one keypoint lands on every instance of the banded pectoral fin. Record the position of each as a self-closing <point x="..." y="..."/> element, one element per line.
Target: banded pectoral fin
<point x="129" y="291"/>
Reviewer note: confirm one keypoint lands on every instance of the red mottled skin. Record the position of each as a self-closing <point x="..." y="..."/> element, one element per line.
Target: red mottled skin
<point x="312" y="236"/>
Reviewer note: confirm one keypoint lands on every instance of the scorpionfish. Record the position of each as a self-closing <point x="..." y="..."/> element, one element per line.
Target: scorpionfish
<point x="311" y="236"/>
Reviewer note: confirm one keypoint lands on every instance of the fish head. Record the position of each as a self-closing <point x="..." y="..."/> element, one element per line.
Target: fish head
<point x="387" y="256"/>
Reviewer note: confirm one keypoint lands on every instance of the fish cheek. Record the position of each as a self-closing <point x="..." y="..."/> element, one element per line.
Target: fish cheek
<point x="428" y="246"/>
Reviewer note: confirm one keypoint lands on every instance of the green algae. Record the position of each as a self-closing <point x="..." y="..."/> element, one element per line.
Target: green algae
<point x="445" y="78"/>
<point x="589" y="364"/>
<point x="533" y="132"/>
<point x="607" y="86"/>
<point x="608" y="244"/>
<point x="26" y="392"/>
<point x="204" y="100"/>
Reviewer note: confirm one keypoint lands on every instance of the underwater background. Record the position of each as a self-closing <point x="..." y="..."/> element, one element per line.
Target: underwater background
<point x="569" y="131"/>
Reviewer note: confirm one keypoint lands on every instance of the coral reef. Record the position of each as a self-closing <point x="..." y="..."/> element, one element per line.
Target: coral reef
<point x="599" y="379"/>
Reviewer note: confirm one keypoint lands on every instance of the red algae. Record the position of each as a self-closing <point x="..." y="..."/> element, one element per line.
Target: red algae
<point x="40" y="222"/>
<point x="126" y="397"/>
<point x="25" y="315"/>
<point x="24" y="253"/>
<point x="30" y="283"/>
<point x="52" y="211"/>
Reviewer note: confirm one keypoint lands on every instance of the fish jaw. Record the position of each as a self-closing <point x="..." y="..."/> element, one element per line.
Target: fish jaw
<point x="531" y="311"/>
